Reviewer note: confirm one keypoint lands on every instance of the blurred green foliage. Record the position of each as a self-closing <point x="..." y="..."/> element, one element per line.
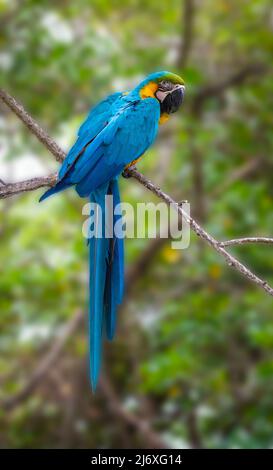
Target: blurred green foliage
<point x="193" y="354"/>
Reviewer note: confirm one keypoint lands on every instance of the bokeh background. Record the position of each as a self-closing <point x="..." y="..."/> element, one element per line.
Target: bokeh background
<point x="192" y="362"/>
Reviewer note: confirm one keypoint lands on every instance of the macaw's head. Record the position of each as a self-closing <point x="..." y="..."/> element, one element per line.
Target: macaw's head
<point x="168" y="88"/>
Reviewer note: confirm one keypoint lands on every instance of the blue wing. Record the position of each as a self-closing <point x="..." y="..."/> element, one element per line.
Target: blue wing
<point x="96" y="120"/>
<point x="120" y="135"/>
<point x="127" y="136"/>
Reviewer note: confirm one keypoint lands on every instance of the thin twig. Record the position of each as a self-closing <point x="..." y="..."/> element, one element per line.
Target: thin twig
<point x="59" y="154"/>
<point x="231" y="260"/>
<point x="245" y="240"/>
<point x="32" y="125"/>
<point x="12" y="189"/>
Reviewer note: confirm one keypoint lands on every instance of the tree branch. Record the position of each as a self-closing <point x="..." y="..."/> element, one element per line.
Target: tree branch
<point x="59" y="155"/>
<point x="216" y="245"/>
<point x="11" y="189"/>
<point x="246" y="240"/>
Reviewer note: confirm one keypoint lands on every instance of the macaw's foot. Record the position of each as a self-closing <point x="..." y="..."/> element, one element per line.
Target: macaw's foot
<point x="126" y="172"/>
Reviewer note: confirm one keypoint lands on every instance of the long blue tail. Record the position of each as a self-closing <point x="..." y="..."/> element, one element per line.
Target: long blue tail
<point x="106" y="281"/>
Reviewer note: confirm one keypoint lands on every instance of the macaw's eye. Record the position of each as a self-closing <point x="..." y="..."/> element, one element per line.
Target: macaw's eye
<point x="165" y="85"/>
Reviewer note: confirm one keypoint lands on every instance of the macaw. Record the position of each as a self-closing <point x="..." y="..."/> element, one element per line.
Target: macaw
<point x="116" y="133"/>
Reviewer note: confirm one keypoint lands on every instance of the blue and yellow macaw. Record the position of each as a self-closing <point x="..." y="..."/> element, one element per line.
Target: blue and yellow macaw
<point x="116" y="133"/>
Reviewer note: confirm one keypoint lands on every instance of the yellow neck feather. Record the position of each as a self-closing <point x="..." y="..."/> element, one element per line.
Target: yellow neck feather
<point x="164" y="118"/>
<point x="148" y="91"/>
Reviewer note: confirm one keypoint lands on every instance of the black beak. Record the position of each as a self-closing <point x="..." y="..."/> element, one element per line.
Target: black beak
<point x="173" y="100"/>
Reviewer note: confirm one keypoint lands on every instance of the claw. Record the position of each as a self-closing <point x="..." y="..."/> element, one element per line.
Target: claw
<point x="126" y="172"/>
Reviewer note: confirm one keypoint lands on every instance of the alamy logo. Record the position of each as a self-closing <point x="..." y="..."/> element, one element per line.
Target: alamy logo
<point x="145" y="220"/>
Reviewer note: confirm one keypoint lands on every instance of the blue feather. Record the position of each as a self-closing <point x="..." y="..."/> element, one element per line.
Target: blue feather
<point x="114" y="284"/>
<point x="106" y="277"/>
<point x="94" y="123"/>
<point x="98" y="250"/>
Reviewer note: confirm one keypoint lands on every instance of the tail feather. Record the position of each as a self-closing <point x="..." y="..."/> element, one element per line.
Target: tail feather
<point x="60" y="186"/>
<point x="106" y="279"/>
<point x="115" y="270"/>
<point x="113" y="287"/>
